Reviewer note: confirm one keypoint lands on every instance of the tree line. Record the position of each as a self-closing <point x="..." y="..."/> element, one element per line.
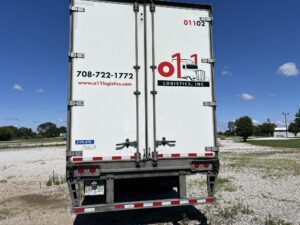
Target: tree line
<point x="245" y="128"/>
<point x="44" y="130"/>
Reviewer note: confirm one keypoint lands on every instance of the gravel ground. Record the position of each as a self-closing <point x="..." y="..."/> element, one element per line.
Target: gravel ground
<point x="254" y="184"/>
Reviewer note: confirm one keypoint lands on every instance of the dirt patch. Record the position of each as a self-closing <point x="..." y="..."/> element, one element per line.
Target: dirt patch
<point x="38" y="200"/>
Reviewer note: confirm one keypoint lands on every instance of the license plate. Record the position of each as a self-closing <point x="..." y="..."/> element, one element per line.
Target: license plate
<point x="96" y="191"/>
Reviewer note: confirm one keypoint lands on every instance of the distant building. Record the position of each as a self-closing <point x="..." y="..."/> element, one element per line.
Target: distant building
<point x="63" y="135"/>
<point x="281" y="132"/>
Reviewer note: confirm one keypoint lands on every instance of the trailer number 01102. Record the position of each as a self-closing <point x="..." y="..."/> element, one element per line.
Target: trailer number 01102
<point x="199" y="23"/>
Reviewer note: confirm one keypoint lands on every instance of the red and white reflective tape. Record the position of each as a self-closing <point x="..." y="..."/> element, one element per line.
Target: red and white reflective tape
<point x="100" y="158"/>
<point x="138" y="205"/>
<point x="76" y="159"/>
<point x="186" y="155"/>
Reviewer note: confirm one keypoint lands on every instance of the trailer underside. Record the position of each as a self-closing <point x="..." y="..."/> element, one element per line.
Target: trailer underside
<point x="145" y="178"/>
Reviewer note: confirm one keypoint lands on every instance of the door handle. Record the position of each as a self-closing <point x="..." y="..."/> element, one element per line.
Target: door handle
<point x="165" y="142"/>
<point x="126" y="144"/>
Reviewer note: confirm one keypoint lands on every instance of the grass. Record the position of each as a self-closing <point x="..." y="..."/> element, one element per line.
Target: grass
<point x="289" y="143"/>
<point x="231" y="212"/>
<point x="33" y="140"/>
<point x="224" y="184"/>
<point x="275" y="221"/>
<point x="273" y="167"/>
<point x="197" y="183"/>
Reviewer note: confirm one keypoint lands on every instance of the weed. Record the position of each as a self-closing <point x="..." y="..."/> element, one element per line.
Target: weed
<point x="55" y="180"/>
<point x="245" y="209"/>
<point x="225" y="184"/>
<point x="275" y="221"/>
<point x="232" y="211"/>
<point x="196" y="183"/>
<point x="4" y="213"/>
<point x="185" y="220"/>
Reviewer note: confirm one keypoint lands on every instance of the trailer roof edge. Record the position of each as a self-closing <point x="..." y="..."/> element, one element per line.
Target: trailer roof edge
<point x="162" y="2"/>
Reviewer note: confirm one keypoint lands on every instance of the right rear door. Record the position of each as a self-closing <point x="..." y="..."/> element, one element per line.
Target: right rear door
<point x="182" y="81"/>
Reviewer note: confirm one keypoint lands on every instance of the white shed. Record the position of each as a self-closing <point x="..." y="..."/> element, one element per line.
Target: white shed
<point x="282" y="132"/>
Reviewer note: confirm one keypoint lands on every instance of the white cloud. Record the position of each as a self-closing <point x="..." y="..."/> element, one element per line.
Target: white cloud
<point x="60" y="120"/>
<point x="288" y="69"/>
<point x="17" y="87"/>
<point x="40" y="91"/>
<point x="246" y="97"/>
<point x="256" y="122"/>
<point x="226" y="71"/>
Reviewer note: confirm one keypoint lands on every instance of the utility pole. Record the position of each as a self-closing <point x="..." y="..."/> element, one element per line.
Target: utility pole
<point x="285" y="121"/>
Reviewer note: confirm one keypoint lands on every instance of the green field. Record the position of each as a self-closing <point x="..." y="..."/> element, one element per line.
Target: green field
<point x="33" y="140"/>
<point x="290" y="143"/>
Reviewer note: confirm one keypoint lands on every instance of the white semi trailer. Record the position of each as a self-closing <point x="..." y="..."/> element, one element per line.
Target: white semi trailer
<point x="141" y="105"/>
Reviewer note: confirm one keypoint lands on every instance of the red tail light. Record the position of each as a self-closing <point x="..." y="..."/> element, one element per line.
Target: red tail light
<point x="92" y="170"/>
<point x="206" y="165"/>
<point x="80" y="170"/>
<point x="197" y="165"/>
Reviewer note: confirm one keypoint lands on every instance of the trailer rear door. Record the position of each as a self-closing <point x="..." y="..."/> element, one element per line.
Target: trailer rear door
<point x="104" y="80"/>
<point x="183" y="80"/>
<point x="116" y="107"/>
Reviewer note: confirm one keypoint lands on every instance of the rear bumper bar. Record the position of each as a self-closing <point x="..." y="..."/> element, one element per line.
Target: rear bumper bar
<point x="142" y="205"/>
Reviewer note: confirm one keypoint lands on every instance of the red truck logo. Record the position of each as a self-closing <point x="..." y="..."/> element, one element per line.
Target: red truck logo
<point x="186" y="69"/>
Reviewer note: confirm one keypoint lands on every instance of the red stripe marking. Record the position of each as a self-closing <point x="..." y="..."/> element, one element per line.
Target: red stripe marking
<point x="77" y="159"/>
<point x="119" y="206"/>
<point x="78" y="210"/>
<point x="175" y="202"/>
<point x="192" y="201"/>
<point x="132" y="157"/>
<point x="116" y="157"/>
<point x="192" y="154"/>
<point x="209" y="200"/>
<point x="97" y="158"/>
<point x="157" y="203"/>
<point x="138" y="205"/>
<point x="175" y="155"/>
<point x="160" y="155"/>
<point x="209" y="154"/>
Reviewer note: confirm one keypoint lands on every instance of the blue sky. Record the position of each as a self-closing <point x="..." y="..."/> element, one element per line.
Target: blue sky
<point x="256" y="45"/>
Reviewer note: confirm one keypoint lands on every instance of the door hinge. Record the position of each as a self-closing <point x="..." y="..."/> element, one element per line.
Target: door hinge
<point x="152" y="7"/>
<point x="76" y="9"/>
<point x="74" y="153"/>
<point x="208" y="61"/>
<point x="136" y="7"/>
<point x="212" y="104"/>
<point x="206" y="19"/>
<point x="76" y="55"/>
<point x="212" y="149"/>
<point x="76" y="103"/>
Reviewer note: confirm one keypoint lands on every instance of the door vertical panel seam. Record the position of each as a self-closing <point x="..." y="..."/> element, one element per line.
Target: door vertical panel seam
<point x="146" y="83"/>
